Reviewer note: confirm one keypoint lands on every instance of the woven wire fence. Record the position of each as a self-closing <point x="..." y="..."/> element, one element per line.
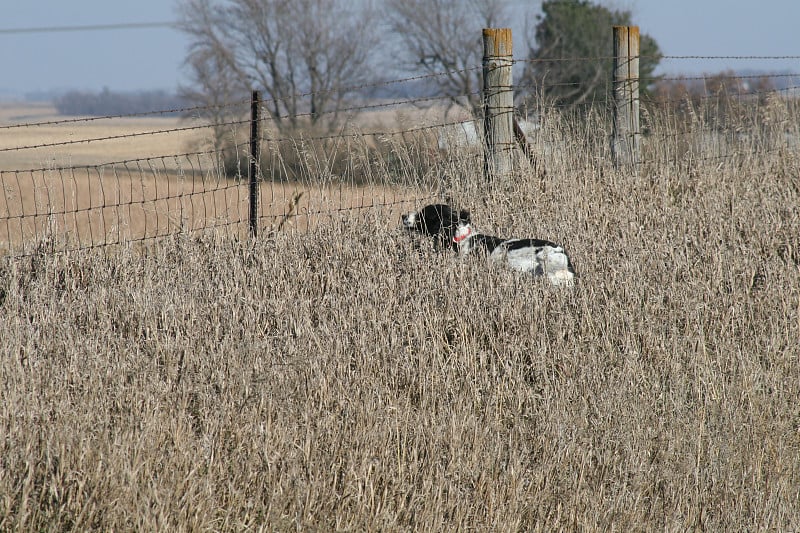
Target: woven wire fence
<point x="163" y="177"/>
<point x="306" y="178"/>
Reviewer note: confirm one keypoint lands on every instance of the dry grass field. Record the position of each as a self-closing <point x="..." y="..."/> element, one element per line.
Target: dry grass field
<point x="348" y="377"/>
<point x="146" y="177"/>
<point x="128" y="144"/>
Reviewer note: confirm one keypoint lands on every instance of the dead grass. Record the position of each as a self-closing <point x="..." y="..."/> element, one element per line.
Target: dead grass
<point x="349" y="378"/>
<point x="132" y="146"/>
<point x="85" y="208"/>
<point x="130" y="189"/>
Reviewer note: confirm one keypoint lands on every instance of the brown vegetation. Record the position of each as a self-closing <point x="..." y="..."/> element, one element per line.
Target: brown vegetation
<point x="124" y="186"/>
<point x="350" y="378"/>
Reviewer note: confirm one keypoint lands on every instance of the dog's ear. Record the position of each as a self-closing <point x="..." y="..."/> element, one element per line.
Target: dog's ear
<point x="464" y="215"/>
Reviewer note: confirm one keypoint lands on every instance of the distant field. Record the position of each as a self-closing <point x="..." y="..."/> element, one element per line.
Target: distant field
<point x="91" y="153"/>
<point x="141" y="146"/>
<point x="126" y="196"/>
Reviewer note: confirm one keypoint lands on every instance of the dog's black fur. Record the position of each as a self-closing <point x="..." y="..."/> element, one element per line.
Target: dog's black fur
<point x="438" y="221"/>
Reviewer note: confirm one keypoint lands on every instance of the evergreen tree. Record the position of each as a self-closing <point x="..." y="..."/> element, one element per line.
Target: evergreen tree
<point x="571" y="61"/>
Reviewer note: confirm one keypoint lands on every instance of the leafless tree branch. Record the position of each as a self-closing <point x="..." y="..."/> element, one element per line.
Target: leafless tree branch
<point x="302" y="53"/>
<point x="444" y="36"/>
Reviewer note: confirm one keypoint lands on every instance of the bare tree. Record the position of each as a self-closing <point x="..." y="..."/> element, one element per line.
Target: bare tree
<point x="307" y="56"/>
<point x="444" y="36"/>
<point x="214" y="93"/>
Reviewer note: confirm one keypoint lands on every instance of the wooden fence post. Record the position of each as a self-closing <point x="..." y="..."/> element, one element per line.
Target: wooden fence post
<point x="498" y="98"/>
<point x="626" y="143"/>
<point x="255" y="161"/>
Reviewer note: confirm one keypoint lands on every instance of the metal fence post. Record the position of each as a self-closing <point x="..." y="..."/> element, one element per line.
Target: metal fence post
<point x="626" y="143"/>
<point x="255" y="161"/>
<point x="498" y="98"/>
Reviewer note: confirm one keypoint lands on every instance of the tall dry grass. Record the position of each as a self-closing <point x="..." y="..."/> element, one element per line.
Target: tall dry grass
<point x="350" y="378"/>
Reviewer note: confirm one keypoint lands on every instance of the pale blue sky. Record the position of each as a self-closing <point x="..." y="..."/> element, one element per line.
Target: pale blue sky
<point x="151" y="58"/>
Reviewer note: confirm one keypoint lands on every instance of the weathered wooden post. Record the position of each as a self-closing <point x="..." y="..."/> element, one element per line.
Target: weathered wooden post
<point x="498" y="98"/>
<point x="255" y="161"/>
<point x="626" y="142"/>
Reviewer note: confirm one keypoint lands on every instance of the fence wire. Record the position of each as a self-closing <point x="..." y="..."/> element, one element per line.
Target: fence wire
<point x="388" y="165"/>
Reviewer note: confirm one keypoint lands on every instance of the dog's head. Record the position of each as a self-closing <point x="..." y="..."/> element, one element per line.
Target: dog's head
<point x="439" y="221"/>
<point x="463" y="230"/>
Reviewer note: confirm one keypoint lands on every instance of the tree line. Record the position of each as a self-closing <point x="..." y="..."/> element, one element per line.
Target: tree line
<point x="108" y="102"/>
<point x="311" y="57"/>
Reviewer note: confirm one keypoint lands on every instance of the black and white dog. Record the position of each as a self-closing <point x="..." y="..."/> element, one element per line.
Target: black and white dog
<point x="439" y="221"/>
<point x="454" y="229"/>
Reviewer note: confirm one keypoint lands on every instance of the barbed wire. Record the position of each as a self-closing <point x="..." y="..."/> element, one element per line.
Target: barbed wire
<point x="357" y="134"/>
<point x="741" y="57"/>
<point x="564" y="59"/>
<point x="693" y="130"/>
<point x="340" y="209"/>
<point x="121" y="136"/>
<point x="245" y="101"/>
<point x="395" y="103"/>
<point x="243" y="147"/>
<point x="743" y="95"/>
<point x="223" y="124"/>
<point x="174" y="111"/>
<point x="653" y="56"/>
<point x="210" y="215"/>
<point x="301" y="138"/>
<point x="384" y="83"/>
<point x="719" y="77"/>
<point x="364" y="107"/>
<point x="656" y="79"/>
<point x="654" y="99"/>
<point x="208" y="152"/>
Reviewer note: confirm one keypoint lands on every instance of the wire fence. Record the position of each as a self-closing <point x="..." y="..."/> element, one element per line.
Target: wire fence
<point x="85" y="182"/>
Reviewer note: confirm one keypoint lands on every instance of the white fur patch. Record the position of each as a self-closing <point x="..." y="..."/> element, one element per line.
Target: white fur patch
<point x="549" y="261"/>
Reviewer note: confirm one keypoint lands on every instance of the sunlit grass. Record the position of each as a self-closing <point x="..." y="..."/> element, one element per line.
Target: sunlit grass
<point x="348" y="377"/>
